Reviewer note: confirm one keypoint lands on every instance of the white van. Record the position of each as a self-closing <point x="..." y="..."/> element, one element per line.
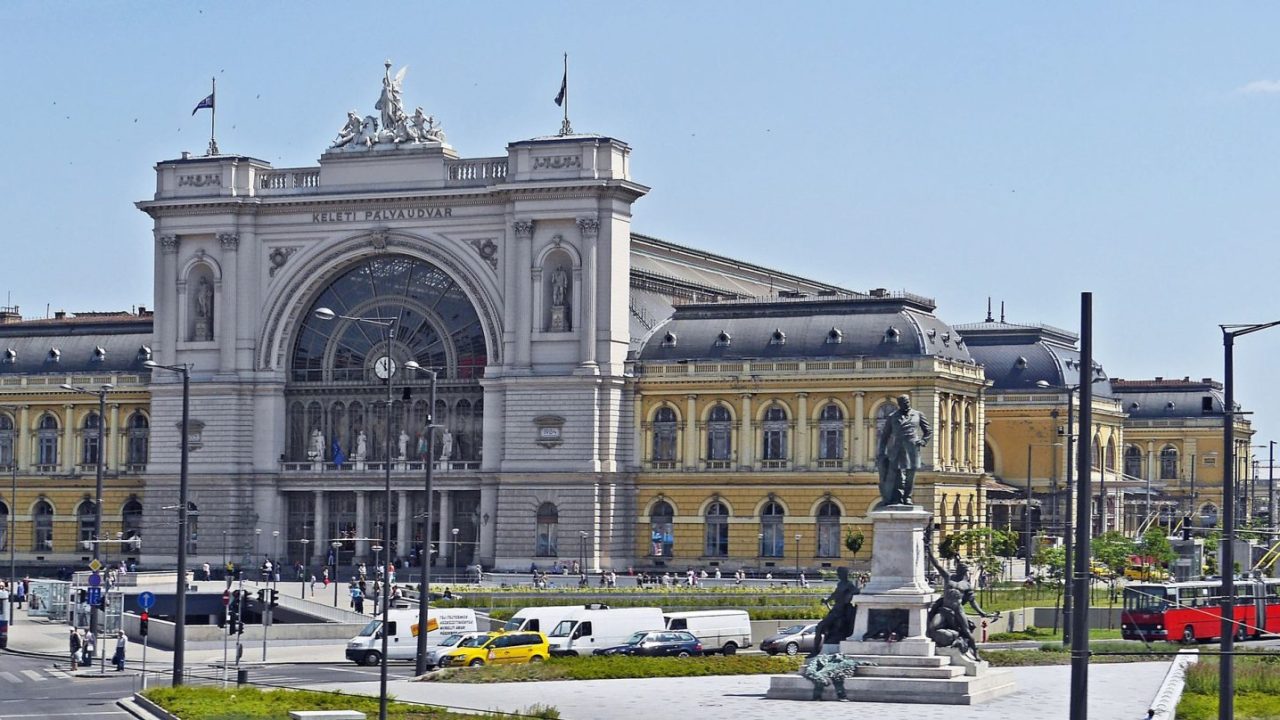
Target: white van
<point x="402" y="640"/>
<point x="545" y="618"/>
<point x="726" y="631"/>
<point x="590" y="628"/>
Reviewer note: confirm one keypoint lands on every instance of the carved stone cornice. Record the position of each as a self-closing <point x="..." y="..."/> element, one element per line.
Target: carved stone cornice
<point x="523" y="228"/>
<point x="168" y="244"/>
<point x="589" y="227"/>
<point x="230" y="241"/>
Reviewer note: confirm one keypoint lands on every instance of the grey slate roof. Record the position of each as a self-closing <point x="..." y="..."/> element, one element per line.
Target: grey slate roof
<point x="1160" y="398"/>
<point x="1017" y="356"/>
<point x="863" y="326"/>
<point x="95" y="344"/>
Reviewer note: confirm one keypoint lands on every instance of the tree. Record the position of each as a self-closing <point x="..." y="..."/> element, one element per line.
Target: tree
<point x="1053" y="557"/>
<point x="1113" y="550"/>
<point x="1155" y="545"/>
<point x="853" y="541"/>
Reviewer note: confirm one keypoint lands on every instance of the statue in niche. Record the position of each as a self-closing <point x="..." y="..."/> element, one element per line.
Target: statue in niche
<point x="204" y="311"/>
<point x="362" y="447"/>
<point x="316" y="451"/>
<point x="560" y="301"/>
<point x="446" y="446"/>
<point x="403" y="444"/>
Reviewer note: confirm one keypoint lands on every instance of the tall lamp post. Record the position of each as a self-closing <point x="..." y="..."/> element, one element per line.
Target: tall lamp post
<point x="384" y="368"/>
<point x="10" y="523"/>
<point x="454" y="553"/>
<point x="424" y="589"/>
<point x="180" y="604"/>
<point x="1079" y="707"/>
<point x="582" y="552"/>
<point x="337" y="548"/>
<point x="1226" y="669"/>
<point x="798" y="558"/>
<point x="101" y="394"/>
<point x="1026" y="511"/>
<point x="302" y="578"/>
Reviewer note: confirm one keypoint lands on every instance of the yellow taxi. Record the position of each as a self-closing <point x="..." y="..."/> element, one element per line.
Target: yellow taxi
<point x="1146" y="572"/>
<point x="498" y="648"/>
<point x="1101" y="570"/>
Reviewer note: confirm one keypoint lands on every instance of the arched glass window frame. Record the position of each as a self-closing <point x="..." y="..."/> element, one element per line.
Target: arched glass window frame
<point x="8" y="440"/>
<point x="719" y="434"/>
<point x="773" y="537"/>
<point x="775" y="424"/>
<point x="89" y="446"/>
<point x="715" y="539"/>
<point x="1133" y="461"/>
<point x="662" y="530"/>
<point x="547" y="530"/>
<point x="48" y="437"/>
<point x="666" y="425"/>
<point x="138" y="449"/>
<point x="131" y="519"/>
<point x="86" y="517"/>
<point x="5" y="516"/>
<point x="1168" y="463"/>
<point x="827" y="530"/>
<point x="42" y="515"/>
<point x="831" y="433"/>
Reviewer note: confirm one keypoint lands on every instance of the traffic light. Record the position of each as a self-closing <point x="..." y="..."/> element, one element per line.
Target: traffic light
<point x="262" y="596"/>
<point x="275" y="599"/>
<point x="142" y="623"/>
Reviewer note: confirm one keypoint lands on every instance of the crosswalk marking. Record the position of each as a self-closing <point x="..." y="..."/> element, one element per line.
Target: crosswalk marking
<point x="59" y="674"/>
<point x="33" y="675"/>
<point x="10" y="677"/>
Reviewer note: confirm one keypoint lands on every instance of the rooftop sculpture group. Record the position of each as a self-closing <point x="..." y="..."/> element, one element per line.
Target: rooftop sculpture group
<point x="395" y="126"/>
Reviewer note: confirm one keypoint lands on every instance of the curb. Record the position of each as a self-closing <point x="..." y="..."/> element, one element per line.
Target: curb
<point x="143" y="709"/>
<point x="1165" y="702"/>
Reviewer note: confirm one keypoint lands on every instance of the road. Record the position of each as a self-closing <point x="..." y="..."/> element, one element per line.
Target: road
<point x="42" y="688"/>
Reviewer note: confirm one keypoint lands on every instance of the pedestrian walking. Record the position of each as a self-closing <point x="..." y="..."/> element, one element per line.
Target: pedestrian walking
<point x="325" y="575"/>
<point x="207" y="571"/>
<point x="121" y="644"/>
<point x="76" y="645"/>
<point x="87" y="649"/>
<point x="357" y="598"/>
<point x="313" y="583"/>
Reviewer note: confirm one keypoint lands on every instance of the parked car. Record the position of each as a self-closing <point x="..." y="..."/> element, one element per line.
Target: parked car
<point x="447" y="645"/>
<point x="724" y="631"/>
<point x="656" y="643"/>
<point x="790" y="640"/>
<point x="591" y="628"/>
<point x="402" y="641"/>
<point x="498" y="648"/>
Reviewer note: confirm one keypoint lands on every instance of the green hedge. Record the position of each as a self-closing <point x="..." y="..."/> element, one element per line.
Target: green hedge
<point x="207" y="703"/>
<point x="1257" y="688"/>
<point x="619" y="666"/>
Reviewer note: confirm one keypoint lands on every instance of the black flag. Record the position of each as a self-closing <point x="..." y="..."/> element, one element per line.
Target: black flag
<point x="564" y="88"/>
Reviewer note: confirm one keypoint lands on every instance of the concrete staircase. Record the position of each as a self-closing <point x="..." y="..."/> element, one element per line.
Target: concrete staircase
<point x="929" y="679"/>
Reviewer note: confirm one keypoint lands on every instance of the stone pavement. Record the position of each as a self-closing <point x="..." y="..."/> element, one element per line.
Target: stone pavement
<point x="1117" y="692"/>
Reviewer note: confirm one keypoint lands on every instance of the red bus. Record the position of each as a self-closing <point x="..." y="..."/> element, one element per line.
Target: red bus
<point x="1191" y="612"/>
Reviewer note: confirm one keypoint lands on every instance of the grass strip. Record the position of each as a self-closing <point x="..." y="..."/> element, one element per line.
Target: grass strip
<point x="208" y="703"/>
<point x="616" y="667"/>
<point x="1257" y="694"/>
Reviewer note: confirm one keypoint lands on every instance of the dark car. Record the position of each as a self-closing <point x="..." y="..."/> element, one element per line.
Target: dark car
<point x="790" y="640"/>
<point x="654" y="643"/>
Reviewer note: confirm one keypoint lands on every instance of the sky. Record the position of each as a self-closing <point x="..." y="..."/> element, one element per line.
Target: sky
<point x="1020" y="151"/>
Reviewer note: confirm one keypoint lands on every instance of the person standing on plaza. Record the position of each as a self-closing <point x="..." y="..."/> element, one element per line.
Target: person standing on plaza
<point x="357" y="597"/>
<point x="76" y="644"/>
<point x="88" y="648"/>
<point x="121" y="645"/>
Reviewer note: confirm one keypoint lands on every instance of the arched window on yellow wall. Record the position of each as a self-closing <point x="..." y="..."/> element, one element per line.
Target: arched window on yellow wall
<point x="664" y="436"/>
<point x="828" y="530"/>
<point x="716" y="534"/>
<point x="661" y="529"/>
<point x="719" y="434"/>
<point x="831" y="433"/>
<point x="773" y="541"/>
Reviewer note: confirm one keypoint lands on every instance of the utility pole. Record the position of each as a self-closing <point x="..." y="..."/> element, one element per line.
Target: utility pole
<point x="1080" y="609"/>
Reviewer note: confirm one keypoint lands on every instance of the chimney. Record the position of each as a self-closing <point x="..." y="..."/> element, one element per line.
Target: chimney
<point x="60" y="315"/>
<point x="142" y="310"/>
<point x="10" y="315"/>
<point x="1159" y="379"/>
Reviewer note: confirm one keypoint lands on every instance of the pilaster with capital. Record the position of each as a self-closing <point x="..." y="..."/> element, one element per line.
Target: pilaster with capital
<point x="227" y="310"/>
<point x="858" y="443"/>
<point x="402" y="523"/>
<point x="589" y="228"/>
<point x="68" y="438"/>
<point x="166" y="317"/>
<point x="691" y="439"/>
<point x="746" y="456"/>
<point x="523" y="230"/>
<point x="114" y="438"/>
<point x="802" y="431"/>
<point x="22" y="446"/>
<point x="362" y="525"/>
<point x="320" y="527"/>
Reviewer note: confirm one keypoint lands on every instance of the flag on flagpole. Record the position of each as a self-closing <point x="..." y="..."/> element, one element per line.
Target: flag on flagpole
<point x="564" y="88"/>
<point x="338" y="456"/>
<point x="205" y="103"/>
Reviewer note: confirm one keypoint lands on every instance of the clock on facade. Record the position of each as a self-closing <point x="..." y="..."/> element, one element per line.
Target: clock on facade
<point x="384" y="367"/>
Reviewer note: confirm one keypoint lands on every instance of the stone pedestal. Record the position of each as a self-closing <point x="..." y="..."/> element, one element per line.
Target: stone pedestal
<point x="559" y="318"/>
<point x="889" y="630"/>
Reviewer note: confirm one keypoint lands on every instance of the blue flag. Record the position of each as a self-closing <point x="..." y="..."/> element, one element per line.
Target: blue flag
<point x="338" y="456"/>
<point x="205" y="103"/>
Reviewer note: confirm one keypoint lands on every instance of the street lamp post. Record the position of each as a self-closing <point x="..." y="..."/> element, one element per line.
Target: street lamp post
<point x="1271" y="489"/>
<point x="1079" y="708"/>
<point x="424" y="588"/>
<point x="797" y="558"/>
<point x="337" y="548"/>
<point x="257" y="545"/>
<point x="377" y="558"/>
<point x="9" y="522"/>
<point x="454" y="553"/>
<point x="1226" y="670"/>
<point x="180" y="603"/>
<point x="101" y="394"/>
<point x="1026" y="511"/>
<point x="582" y="552"/>
<point x="385" y="369"/>
<point x="302" y="577"/>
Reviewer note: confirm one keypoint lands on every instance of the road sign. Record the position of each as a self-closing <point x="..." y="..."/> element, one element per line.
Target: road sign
<point x="146" y="600"/>
<point x="226" y="597"/>
<point x="94" y="565"/>
<point x="95" y="596"/>
<point x="95" y="580"/>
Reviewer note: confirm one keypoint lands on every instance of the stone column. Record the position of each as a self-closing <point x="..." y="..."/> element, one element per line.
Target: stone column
<point x="488" y="509"/>
<point x="70" y="453"/>
<point x="590" y="229"/>
<point x="637" y="424"/>
<point x="112" y="437"/>
<point x="362" y="525"/>
<point x="524" y="293"/>
<point x="691" y="440"/>
<point x="1151" y="462"/>
<point x="746" y="457"/>
<point x="225" y="309"/>
<point x="402" y="523"/>
<point x="320" y="528"/>
<point x="444" y="539"/>
<point x="801" y="454"/>
<point x="22" y="443"/>
<point x="858" y="444"/>
<point x="167" y="303"/>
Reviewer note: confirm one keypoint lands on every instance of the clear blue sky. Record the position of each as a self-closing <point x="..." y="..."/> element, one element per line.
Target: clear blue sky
<point x="1026" y="151"/>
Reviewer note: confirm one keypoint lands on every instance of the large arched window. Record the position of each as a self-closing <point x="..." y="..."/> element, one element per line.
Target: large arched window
<point x="42" y="527"/>
<point x="47" y="442"/>
<point x="1133" y="461"/>
<point x="828" y="530"/>
<point x="716" y="534"/>
<point x="831" y="433"/>
<point x="547" y="533"/>
<point x="773" y="541"/>
<point x="139" y="438"/>
<point x="85" y="517"/>
<point x="988" y="458"/>
<point x="1094" y="449"/>
<point x="719" y="434"/>
<point x="4" y="526"/>
<point x="664" y="435"/>
<point x="661" y="528"/>
<point x="89" y="440"/>
<point x="131" y="520"/>
<point x="6" y="440"/>
<point x="1169" y="463"/>
<point x="774" y="448"/>
<point x="333" y="390"/>
<point x="1110" y="460"/>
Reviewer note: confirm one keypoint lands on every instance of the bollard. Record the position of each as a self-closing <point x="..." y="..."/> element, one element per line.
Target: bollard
<point x="242" y="676"/>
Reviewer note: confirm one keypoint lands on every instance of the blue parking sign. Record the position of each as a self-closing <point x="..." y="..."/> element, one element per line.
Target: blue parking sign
<point x="95" y="596"/>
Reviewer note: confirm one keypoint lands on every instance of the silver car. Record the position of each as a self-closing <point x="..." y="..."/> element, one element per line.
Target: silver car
<point x="435" y="652"/>
<point x="790" y="640"/>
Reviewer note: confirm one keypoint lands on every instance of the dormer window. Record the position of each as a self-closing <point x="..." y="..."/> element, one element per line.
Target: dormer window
<point x="10" y="356"/>
<point x="669" y="340"/>
<point x="892" y="335"/>
<point x="55" y="355"/>
<point x="144" y="353"/>
<point x="723" y="339"/>
<point x="99" y="354"/>
<point x="946" y="338"/>
<point x="1020" y="363"/>
<point x="834" y="336"/>
<point x="778" y="337"/>
<point x="1169" y="406"/>
<point x="933" y="332"/>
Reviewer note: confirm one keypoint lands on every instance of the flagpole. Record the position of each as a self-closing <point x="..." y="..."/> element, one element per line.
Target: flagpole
<point x="213" y="120"/>
<point x="565" y="127"/>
